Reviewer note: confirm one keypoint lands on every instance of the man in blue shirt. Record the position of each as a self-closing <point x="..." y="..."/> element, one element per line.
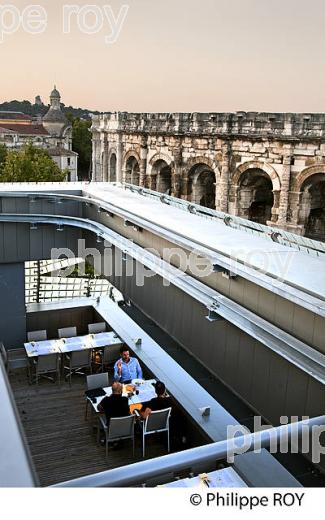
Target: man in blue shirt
<point x="126" y="368"/>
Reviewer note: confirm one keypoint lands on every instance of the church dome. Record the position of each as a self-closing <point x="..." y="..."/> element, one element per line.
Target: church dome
<point x="55" y="115"/>
<point x="55" y="120"/>
<point x="55" y="93"/>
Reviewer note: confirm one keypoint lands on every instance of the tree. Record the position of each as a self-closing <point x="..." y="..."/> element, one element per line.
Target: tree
<point x="30" y="165"/>
<point x="3" y="156"/>
<point x="81" y="143"/>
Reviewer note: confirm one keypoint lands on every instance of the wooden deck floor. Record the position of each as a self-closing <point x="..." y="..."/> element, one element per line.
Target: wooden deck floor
<point x="62" y="444"/>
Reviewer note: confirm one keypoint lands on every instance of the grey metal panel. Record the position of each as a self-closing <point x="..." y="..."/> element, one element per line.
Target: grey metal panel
<point x="10" y="240"/>
<point x="23" y="242"/>
<point x="296" y="395"/>
<point x="36" y="244"/>
<point x="284" y="311"/>
<point x="266" y="304"/>
<point x="303" y="323"/>
<point x="251" y="296"/>
<point x="261" y="372"/>
<point x="48" y="241"/>
<point x="245" y="367"/>
<point x="8" y="205"/>
<point x="274" y="405"/>
<point x="12" y="304"/>
<point x="319" y="334"/>
<point x="237" y="288"/>
<point x="263" y="470"/>
<point x="52" y="321"/>
<point x="219" y="344"/>
<point x="2" y="248"/>
<point x="232" y="355"/>
<point x="315" y="398"/>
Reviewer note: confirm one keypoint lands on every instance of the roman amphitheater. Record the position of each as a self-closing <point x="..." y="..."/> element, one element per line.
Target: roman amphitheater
<point x="269" y="168"/>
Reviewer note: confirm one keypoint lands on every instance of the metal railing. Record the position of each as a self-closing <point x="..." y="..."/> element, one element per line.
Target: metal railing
<point x="138" y="473"/>
<point x="304" y="244"/>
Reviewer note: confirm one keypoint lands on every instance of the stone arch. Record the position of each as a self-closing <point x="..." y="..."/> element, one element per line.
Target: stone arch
<point x="159" y="157"/>
<point x="202" y="184"/>
<point x="311" y="215"/>
<point x="104" y="163"/>
<point x="131" y="168"/>
<point x="161" y="174"/>
<point x="257" y="165"/>
<point x="112" y="161"/>
<point x="202" y="159"/>
<point x="257" y="189"/>
<point x="306" y="173"/>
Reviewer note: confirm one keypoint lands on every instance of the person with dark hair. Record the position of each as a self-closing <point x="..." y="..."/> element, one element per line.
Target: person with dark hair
<point x="160" y="402"/>
<point x="127" y="368"/>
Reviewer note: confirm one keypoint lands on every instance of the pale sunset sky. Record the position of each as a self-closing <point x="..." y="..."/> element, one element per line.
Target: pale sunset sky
<point x="172" y="55"/>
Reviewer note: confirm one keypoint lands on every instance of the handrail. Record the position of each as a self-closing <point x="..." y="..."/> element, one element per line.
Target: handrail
<point x="278" y="235"/>
<point x="138" y="473"/>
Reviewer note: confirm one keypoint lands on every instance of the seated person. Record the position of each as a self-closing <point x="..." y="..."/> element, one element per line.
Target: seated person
<point x="115" y="405"/>
<point x="127" y="368"/>
<point x="160" y="402"/>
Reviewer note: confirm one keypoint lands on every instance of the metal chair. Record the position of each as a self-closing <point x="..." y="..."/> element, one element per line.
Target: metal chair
<point x="78" y="359"/>
<point x="156" y="422"/>
<point x="13" y="358"/>
<point x="67" y="332"/>
<point x="37" y="335"/>
<point x="96" y="328"/>
<point x="109" y="355"/>
<point x="119" y="428"/>
<point x="49" y="364"/>
<point x="96" y="381"/>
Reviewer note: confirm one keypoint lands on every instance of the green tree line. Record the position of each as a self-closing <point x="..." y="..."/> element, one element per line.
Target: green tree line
<point x="28" y="165"/>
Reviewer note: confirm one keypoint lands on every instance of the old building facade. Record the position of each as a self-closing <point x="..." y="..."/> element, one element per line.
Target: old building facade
<point x="269" y="168"/>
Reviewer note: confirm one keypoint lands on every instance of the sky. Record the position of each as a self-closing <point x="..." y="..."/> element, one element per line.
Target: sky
<point x="168" y="55"/>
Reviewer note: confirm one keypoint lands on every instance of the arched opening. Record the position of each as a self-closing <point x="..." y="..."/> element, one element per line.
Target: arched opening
<point x="161" y="177"/>
<point x="112" y="168"/>
<point x="104" y="167"/>
<point x="255" y="196"/>
<point x="132" y="171"/>
<point x="312" y="207"/>
<point x="202" y="186"/>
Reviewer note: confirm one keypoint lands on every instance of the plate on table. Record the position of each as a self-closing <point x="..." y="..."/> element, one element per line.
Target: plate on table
<point x="137" y="382"/>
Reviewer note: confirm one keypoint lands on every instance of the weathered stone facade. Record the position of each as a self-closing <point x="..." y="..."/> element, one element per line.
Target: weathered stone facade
<point x="267" y="167"/>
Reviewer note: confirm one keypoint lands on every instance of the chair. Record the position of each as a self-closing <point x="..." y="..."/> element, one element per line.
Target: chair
<point x="119" y="428"/>
<point x="67" y="332"/>
<point x="109" y="355"/>
<point x="13" y="358"/>
<point x="78" y="359"/>
<point x="37" y="335"/>
<point x="96" y="381"/>
<point x="156" y="422"/>
<point x="47" y="364"/>
<point x="96" y="328"/>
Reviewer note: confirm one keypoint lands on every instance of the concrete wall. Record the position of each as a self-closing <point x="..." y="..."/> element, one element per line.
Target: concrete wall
<point x="12" y="305"/>
<point x="52" y="321"/>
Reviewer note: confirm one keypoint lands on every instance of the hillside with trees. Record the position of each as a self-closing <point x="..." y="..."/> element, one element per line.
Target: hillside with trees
<point x="34" y="109"/>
